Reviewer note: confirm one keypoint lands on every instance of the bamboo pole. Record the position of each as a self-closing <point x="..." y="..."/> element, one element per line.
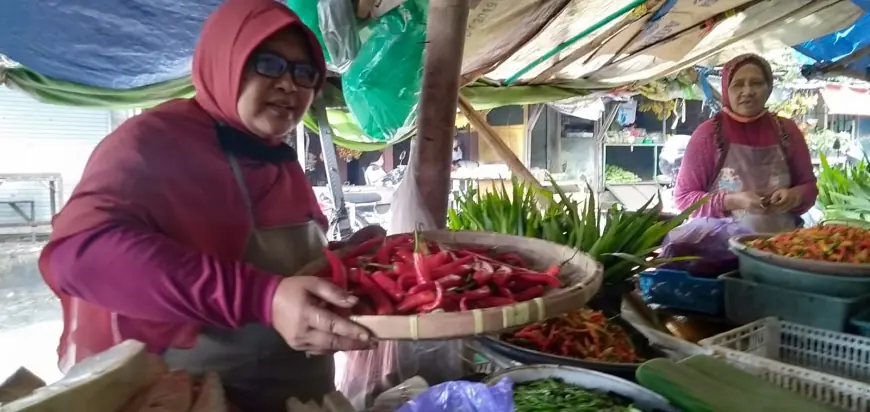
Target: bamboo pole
<point x="442" y="66"/>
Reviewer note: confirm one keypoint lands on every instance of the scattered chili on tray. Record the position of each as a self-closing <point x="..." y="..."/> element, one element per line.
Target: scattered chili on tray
<point x="828" y="243"/>
<point x="582" y="334"/>
<point x="407" y="274"/>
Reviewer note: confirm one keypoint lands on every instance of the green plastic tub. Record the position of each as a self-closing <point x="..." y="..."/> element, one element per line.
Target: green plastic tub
<point x="768" y="273"/>
<point x="747" y="301"/>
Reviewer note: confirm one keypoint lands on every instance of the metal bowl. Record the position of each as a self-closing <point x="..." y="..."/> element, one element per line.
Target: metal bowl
<point x="738" y="245"/>
<point x="528" y="356"/>
<point x="642" y="398"/>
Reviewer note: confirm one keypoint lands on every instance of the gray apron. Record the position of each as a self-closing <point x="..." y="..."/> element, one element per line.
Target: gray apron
<point x="762" y="170"/>
<point x="258" y="369"/>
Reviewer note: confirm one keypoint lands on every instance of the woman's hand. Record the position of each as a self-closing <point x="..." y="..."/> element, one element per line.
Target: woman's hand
<point x="366" y="233"/>
<point x="784" y="200"/>
<point x="299" y="316"/>
<point x="748" y="201"/>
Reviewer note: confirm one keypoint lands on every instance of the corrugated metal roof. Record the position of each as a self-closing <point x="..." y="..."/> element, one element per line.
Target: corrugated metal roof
<point x="41" y="138"/>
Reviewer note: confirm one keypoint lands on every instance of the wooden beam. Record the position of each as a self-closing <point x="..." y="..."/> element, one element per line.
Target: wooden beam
<point x="442" y="66"/>
<point x="491" y="136"/>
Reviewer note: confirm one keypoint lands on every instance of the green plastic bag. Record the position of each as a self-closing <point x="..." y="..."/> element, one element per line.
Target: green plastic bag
<point x="382" y="85"/>
<point x="307" y="12"/>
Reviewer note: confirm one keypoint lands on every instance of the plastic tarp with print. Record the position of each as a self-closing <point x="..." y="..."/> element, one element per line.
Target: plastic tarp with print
<point x="849" y="43"/>
<point x="583" y="46"/>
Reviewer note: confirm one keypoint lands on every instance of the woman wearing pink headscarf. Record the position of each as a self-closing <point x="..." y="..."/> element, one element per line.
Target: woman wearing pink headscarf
<point x="191" y="218"/>
<point x="755" y="164"/>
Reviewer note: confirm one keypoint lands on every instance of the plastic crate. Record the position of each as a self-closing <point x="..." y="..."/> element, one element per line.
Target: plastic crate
<point x="769" y="273"/>
<point x="677" y="289"/>
<point x="861" y="323"/>
<point x="828" y="366"/>
<point x="747" y="301"/>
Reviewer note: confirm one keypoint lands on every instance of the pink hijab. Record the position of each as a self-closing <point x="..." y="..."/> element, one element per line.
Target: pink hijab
<point x="145" y="169"/>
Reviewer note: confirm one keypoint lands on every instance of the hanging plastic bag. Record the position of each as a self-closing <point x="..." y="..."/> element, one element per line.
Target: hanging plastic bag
<point x="382" y="85"/>
<point x="367" y="373"/>
<point x="463" y="396"/>
<point x="337" y="21"/>
<point x="706" y="238"/>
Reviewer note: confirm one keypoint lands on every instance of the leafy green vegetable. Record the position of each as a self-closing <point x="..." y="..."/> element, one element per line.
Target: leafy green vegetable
<point x="617" y="238"/>
<point x="844" y="191"/>
<point x="555" y="395"/>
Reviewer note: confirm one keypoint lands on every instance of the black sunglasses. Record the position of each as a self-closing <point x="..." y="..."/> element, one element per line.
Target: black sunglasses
<point x="270" y="65"/>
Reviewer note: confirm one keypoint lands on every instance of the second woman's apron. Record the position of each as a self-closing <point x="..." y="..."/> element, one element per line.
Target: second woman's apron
<point x="762" y="170"/>
<point x="258" y="369"/>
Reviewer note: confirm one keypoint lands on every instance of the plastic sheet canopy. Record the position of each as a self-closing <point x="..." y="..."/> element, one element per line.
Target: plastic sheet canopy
<point x="116" y="44"/>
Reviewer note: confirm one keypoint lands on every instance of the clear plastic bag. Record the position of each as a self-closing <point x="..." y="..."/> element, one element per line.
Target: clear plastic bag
<point x="367" y="373"/>
<point x="460" y="396"/>
<point x="706" y="238"/>
<point x="337" y="22"/>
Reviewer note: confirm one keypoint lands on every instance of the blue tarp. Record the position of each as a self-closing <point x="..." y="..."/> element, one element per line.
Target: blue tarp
<point x="123" y="44"/>
<point x="117" y="44"/>
<point x="838" y="45"/>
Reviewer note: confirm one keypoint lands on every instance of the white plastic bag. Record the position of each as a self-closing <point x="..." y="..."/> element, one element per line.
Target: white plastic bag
<point x="367" y="373"/>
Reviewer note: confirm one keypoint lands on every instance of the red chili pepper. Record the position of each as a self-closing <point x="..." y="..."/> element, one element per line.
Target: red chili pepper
<point x="464" y="304"/>
<point x="339" y="273"/>
<point x="494" y="301"/>
<point x="407" y="281"/>
<point x="450" y="281"/>
<point x="415" y="301"/>
<point x="437" y="260"/>
<point x="421" y="287"/>
<point x="476" y="294"/>
<point x="353" y="275"/>
<point x="456" y="267"/>
<point x="438" y="302"/>
<point x="541" y="279"/>
<point x="403" y="255"/>
<point x="362" y="248"/>
<point x="482" y="279"/>
<point x="529" y="294"/>
<point x="384" y="254"/>
<point x="513" y="259"/>
<point x="420" y="267"/>
<point x="383" y="305"/>
<point x="553" y="271"/>
<point x="388" y="285"/>
<point x="501" y="279"/>
<point x="505" y="292"/>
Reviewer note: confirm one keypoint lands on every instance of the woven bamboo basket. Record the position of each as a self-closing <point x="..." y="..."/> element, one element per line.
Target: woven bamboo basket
<point x="581" y="275"/>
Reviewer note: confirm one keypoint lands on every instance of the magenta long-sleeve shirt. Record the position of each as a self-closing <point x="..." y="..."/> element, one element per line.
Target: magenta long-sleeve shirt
<point x="143" y="274"/>
<point x="698" y="168"/>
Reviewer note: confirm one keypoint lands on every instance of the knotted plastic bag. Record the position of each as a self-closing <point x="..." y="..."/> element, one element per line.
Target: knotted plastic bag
<point x="461" y="396"/>
<point x="706" y="238"/>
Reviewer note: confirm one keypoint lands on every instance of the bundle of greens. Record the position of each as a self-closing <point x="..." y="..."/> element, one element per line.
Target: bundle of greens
<point x="844" y="191"/>
<point x="621" y="240"/>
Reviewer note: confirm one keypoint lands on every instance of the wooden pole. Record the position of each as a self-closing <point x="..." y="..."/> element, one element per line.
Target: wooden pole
<point x="491" y="136"/>
<point x="442" y="66"/>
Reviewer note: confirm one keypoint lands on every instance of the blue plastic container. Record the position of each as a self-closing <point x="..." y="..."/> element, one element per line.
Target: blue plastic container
<point x="678" y="289"/>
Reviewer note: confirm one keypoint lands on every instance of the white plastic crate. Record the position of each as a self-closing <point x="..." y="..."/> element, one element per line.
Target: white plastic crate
<point x="828" y="366"/>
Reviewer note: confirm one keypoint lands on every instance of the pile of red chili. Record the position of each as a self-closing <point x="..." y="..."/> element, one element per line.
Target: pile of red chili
<point x="405" y="274"/>
<point x="582" y="334"/>
<point x="830" y="243"/>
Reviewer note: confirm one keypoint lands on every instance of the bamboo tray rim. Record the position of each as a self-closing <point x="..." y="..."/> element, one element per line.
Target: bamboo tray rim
<point x="434" y="326"/>
<point x="821" y="268"/>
